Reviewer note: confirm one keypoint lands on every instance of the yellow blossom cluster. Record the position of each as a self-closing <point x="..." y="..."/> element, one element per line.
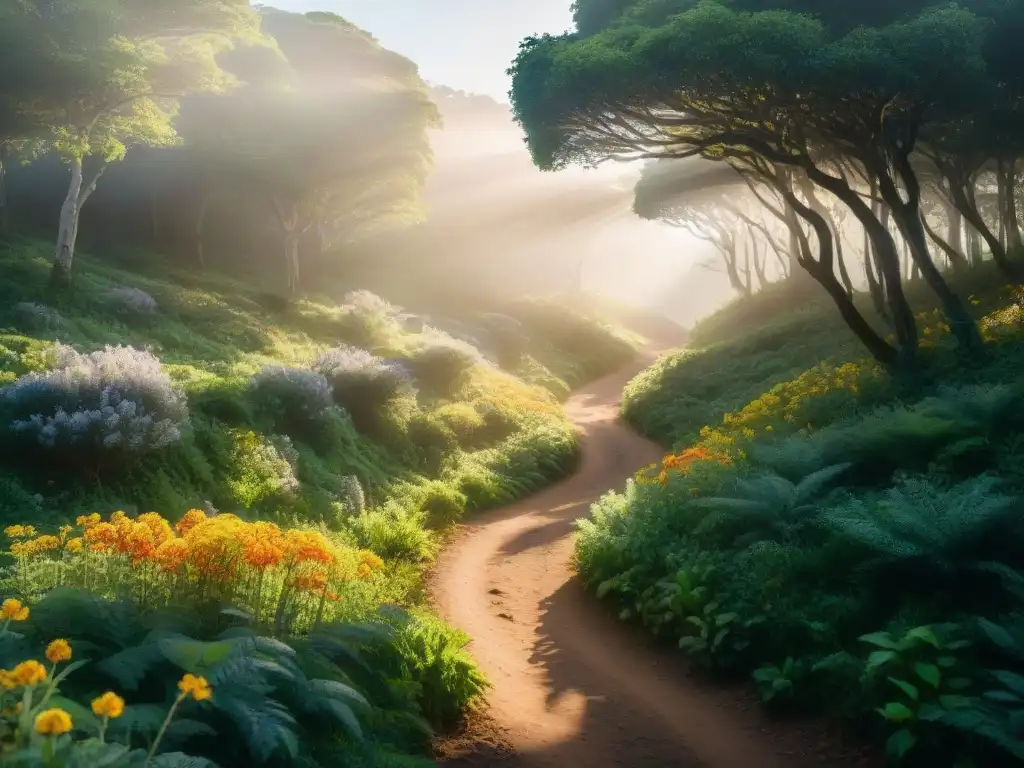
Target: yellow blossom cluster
<point x="253" y="563"/>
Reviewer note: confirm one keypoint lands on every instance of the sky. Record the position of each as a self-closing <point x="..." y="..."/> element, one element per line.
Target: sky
<point x="464" y="44"/>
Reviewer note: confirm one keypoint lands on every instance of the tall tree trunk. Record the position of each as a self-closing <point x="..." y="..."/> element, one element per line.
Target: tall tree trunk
<point x="5" y="211"/>
<point x="887" y="260"/>
<point x="807" y="187"/>
<point x="956" y="259"/>
<point x="908" y="219"/>
<point x="79" y="191"/>
<point x="955" y="237"/>
<point x="974" y="243"/>
<point x="1007" y="178"/>
<point x="963" y="190"/>
<point x="288" y="217"/>
<point x="822" y="270"/>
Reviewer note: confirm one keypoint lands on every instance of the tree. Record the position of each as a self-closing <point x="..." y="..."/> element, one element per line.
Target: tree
<point x="333" y="148"/>
<point x="118" y="70"/>
<point x="768" y="90"/>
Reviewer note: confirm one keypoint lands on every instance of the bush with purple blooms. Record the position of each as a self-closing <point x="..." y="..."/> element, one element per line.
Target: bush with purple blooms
<point x="363" y="384"/>
<point x="131" y="301"/>
<point x="294" y="399"/>
<point x="87" y="407"/>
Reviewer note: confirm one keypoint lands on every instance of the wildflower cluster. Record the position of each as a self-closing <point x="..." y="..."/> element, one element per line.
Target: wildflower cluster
<point x="114" y="400"/>
<point x="29" y="724"/>
<point x="289" y="576"/>
<point x="824" y="392"/>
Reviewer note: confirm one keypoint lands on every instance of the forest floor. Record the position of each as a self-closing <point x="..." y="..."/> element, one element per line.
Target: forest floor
<point x="572" y="686"/>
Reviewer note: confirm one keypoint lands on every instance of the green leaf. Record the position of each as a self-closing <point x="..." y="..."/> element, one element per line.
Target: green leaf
<point x="895" y="712"/>
<point x="766" y="674"/>
<point x="879" y="659"/>
<point x="180" y="760"/>
<point x="900" y="743"/>
<point x="196" y="656"/>
<point x="959" y="683"/>
<point x="930" y="673"/>
<point x="954" y="701"/>
<point x="923" y="634"/>
<point x="946" y="662"/>
<point x="725" y="618"/>
<point x="908" y="688"/>
<point x="605" y="587"/>
<point x="81" y="716"/>
<point x="880" y="639"/>
<point x="1011" y="680"/>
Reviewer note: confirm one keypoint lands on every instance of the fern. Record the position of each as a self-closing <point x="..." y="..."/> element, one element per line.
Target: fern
<point x="918" y="519"/>
<point x="768" y="506"/>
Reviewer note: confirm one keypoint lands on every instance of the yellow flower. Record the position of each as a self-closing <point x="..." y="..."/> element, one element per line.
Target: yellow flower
<point x="58" y="651"/>
<point x="196" y="687"/>
<point x="29" y="673"/>
<point x="53" y="722"/>
<point x="20" y="531"/>
<point x="7" y="680"/>
<point x="108" y="705"/>
<point x="13" y="609"/>
<point x="74" y="545"/>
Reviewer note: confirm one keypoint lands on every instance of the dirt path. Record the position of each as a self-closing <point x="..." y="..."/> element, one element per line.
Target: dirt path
<point x="573" y="687"/>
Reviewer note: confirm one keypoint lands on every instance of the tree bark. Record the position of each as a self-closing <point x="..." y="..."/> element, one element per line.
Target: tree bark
<point x="956" y="259"/>
<point x="908" y="219"/>
<point x="1007" y="176"/>
<point x="5" y="211"/>
<point x="79" y="191"/>
<point x="887" y="260"/>
<point x="288" y="216"/>
<point x="823" y="271"/>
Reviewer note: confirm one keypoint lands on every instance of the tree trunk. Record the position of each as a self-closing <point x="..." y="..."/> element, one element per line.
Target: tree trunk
<point x="288" y="217"/>
<point x="908" y="219"/>
<point x="807" y="187"/>
<point x="5" y="212"/>
<point x="60" y="276"/>
<point x="887" y="260"/>
<point x="956" y="259"/>
<point x="974" y="243"/>
<point x="823" y="271"/>
<point x="955" y="237"/>
<point x="1008" y="212"/>
<point x="962" y="184"/>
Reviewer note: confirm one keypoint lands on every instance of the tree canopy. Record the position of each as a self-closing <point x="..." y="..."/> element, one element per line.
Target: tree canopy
<point x="822" y="99"/>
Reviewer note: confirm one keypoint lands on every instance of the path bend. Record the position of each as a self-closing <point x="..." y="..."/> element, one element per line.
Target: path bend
<point x="573" y="686"/>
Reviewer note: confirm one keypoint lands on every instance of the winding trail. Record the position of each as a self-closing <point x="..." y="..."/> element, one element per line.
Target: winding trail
<point x="573" y="687"/>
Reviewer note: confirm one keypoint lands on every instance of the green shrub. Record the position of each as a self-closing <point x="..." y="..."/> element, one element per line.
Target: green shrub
<point x="442" y="504"/>
<point x="441" y="366"/>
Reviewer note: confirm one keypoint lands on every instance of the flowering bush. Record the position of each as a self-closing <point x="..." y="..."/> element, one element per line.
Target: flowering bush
<point x="363" y="384"/>
<point x="35" y="726"/>
<point x="131" y="301"/>
<point x="116" y="400"/>
<point x="294" y="398"/>
<point x="287" y="578"/>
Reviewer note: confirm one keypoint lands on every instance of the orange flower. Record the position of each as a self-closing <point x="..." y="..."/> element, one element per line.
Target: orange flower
<point x="307" y="546"/>
<point x="53" y="722"/>
<point x="13" y="610"/>
<point x="101" y="537"/>
<point x="29" y="673"/>
<point x="196" y="687"/>
<point x="158" y="527"/>
<point x="191" y="519"/>
<point x="88" y="521"/>
<point x="108" y="705"/>
<point x="263" y="546"/>
<point x="172" y="554"/>
<point x="314" y="581"/>
<point x="58" y="651"/>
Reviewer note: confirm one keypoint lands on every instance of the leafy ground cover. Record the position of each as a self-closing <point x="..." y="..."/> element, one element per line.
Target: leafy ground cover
<point x="340" y="439"/>
<point x="846" y="541"/>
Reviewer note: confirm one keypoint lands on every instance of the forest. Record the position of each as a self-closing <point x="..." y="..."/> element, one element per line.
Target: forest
<point x="315" y="450"/>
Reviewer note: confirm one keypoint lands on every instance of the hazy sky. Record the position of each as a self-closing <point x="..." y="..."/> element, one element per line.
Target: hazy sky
<point x="464" y="44"/>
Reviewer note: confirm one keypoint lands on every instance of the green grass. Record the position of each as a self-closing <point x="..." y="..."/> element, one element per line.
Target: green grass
<point x="423" y="462"/>
<point x="814" y="511"/>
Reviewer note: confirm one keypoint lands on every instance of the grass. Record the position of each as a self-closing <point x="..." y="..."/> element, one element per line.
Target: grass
<point x="829" y="534"/>
<point x="391" y="485"/>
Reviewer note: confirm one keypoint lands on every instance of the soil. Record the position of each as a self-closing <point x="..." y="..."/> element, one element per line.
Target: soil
<point x="573" y="686"/>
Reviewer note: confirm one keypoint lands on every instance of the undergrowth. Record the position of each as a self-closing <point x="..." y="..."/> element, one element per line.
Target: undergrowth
<point x="847" y="542"/>
<point x="351" y="421"/>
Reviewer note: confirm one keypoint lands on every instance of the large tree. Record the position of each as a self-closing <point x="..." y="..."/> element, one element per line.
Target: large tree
<point x="333" y="146"/>
<point x="767" y="91"/>
<point x="115" y="72"/>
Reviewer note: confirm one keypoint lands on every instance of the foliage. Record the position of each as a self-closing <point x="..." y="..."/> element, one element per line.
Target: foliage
<point x="115" y="402"/>
<point x="363" y="384"/>
<point x="441" y="367"/>
<point x="347" y="691"/>
<point x="832" y="532"/>
<point x="131" y="301"/>
<point x="287" y="579"/>
<point x="295" y="399"/>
